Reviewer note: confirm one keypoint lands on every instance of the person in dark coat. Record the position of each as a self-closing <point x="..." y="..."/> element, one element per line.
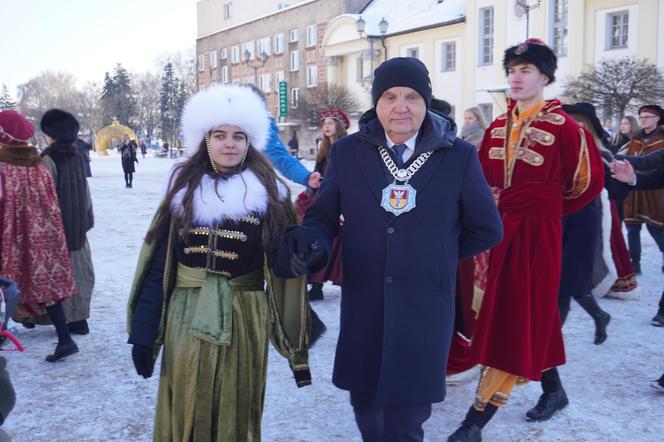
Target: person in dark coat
<point x="414" y="202"/>
<point x="84" y="148"/>
<point x="294" y="145"/>
<point x="144" y="148"/>
<point x="128" y="153"/>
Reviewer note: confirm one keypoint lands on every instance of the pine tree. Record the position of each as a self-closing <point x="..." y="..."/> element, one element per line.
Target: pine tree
<point x="117" y="97"/>
<point x="6" y="101"/>
<point x="170" y="103"/>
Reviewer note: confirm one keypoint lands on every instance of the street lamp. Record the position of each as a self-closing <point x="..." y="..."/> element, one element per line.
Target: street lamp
<point x="260" y="62"/>
<point x="361" y="26"/>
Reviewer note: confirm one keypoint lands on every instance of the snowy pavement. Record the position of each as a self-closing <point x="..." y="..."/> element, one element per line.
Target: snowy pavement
<point x="96" y="395"/>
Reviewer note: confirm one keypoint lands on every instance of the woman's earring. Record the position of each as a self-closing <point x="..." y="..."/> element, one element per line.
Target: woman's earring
<point x="207" y="146"/>
<point x="246" y="150"/>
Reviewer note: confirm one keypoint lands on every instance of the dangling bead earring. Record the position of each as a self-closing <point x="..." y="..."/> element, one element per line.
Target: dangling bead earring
<point x="246" y="150"/>
<point x="207" y="145"/>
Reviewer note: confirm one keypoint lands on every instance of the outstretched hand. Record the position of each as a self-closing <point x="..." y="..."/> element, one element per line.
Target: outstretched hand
<point x="623" y="171"/>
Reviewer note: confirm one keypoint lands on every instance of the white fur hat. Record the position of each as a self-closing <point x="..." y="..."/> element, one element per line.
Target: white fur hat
<point x="225" y="104"/>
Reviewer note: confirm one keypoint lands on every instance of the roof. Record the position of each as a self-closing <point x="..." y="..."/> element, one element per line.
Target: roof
<point x="408" y="15"/>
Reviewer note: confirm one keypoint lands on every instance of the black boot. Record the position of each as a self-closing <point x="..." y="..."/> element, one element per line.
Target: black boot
<point x="316" y="292"/>
<point x="66" y="345"/>
<point x="471" y="427"/>
<point x="553" y="399"/>
<point x="79" y="327"/>
<point x="563" y="307"/>
<point x="62" y="350"/>
<point x="317" y="328"/>
<point x="602" y="318"/>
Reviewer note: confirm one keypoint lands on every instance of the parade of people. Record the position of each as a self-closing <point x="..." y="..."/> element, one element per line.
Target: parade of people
<point x="376" y="221"/>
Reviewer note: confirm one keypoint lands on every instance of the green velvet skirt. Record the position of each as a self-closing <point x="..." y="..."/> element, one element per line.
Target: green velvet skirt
<point x="211" y="392"/>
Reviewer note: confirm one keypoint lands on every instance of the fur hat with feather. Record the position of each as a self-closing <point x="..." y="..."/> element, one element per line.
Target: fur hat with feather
<point x="225" y="104"/>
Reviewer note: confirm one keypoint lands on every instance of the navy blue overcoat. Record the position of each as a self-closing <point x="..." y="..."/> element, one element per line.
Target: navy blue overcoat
<point x="397" y="305"/>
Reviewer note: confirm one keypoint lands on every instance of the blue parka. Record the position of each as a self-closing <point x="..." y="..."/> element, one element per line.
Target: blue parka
<point x="399" y="272"/>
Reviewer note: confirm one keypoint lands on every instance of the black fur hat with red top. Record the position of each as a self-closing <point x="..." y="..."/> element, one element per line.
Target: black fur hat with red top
<point x="532" y="51"/>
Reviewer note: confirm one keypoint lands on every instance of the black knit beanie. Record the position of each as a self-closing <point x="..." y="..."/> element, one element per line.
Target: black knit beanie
<point x="60" y="125"/>
<point x="402" y="71"/>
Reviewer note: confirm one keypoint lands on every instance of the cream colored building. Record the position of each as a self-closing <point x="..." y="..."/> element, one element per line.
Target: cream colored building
<point x="462" y="42"/>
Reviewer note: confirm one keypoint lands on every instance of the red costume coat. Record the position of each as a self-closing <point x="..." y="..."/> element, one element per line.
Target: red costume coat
<point x="518" y="327"/>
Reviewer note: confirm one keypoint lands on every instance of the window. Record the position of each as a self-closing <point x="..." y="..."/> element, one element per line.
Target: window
<point x="201" y="63"/>
<point x="228" y="10"/>
<point x="311" y="36"/>
<point x="448" y="56"/>
<point x="235" y="54"/>
<point x="278" y="77"/>
<point x="281" y="6"/>
<point x="487" y="110"/>
<point x="295" y="98"/>
<point x="265" y="83"/>
<point x="224" y="74"/>
<point x="264" y="45"/>
<point x="224" y="53"/>
<point x="279" y="44"/>
<point x="413" y="52"/>
<point x="213" y="59"/>
<point x="294" y="35"/>
<point x="312" y="75"/>
<point x="486" y="36"/>
<point x="360" y="69"/>
<point x="617" y="27"/>
<point x="248" y="46"/>
<point x="559" y="27"/>
<point x="294" y="61"/>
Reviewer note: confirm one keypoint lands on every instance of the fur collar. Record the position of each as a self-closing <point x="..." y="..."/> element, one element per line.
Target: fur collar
<point x="216" y="200"/>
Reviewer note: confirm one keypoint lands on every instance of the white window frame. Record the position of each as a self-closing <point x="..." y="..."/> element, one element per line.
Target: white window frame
<point x="295" y="97"/>
<point x="279" y="76"/>
<point x="213" y="60"/>
<point x="201" y="62"/>
<point x="312" y="75"/>
<point x="558" y="32"/>
<point x="293" y="35"/>
<point x="413" y="51"/>
<point x="264" y="46"/>
<point x="622" y="27"/>
<point x="294" y="60"/>
<point x="223" y="53"/>
<point x="265" y="83"/>
<point x="278" y="43"/>
<point x="228" y="10"/>
<point x="224" y="74"/>
<point x="311" y="39"/>
<point x="249" y="45"/>
<point x="235" y="54"/>
<point x="447" y="65"/>
<point x="486" y="30"/>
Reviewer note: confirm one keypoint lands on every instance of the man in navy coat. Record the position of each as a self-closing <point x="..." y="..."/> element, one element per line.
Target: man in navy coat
<point x="415" y="202"/>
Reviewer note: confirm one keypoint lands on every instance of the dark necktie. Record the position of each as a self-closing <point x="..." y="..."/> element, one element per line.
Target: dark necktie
<point x="399" y="149"/>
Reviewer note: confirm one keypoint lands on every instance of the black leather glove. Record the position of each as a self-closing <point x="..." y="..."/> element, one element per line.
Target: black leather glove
<point x="143" y="357"/>
<point x="307" y="254"/>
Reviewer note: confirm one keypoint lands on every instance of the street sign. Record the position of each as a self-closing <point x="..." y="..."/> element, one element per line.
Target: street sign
<point x="283" y="99"/>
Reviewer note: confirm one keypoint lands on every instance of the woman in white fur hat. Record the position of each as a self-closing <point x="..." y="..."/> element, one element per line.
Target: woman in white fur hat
<point x="199" y="284"/>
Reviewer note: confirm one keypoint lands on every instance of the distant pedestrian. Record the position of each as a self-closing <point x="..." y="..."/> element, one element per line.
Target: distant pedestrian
<point x="128" y="154"/>
<point x="84" y="147"/>
<point x="294" y="145"/>
<point x="474" y="125"/>
<point x="144" y="149"/>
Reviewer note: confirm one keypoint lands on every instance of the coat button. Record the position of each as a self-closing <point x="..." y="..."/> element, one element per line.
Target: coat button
<point x="388" y="280"/>
<point x="390" y="230"/>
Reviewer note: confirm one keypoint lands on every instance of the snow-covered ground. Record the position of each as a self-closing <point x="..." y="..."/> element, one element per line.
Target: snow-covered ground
<point x="96" y="395"/>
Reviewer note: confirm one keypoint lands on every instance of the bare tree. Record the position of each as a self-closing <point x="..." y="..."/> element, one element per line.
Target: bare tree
<point x="328" y="96"/>
<point x="48" y="90"/>
<point x="615" y="86"/>
<point x="147" y="102"/>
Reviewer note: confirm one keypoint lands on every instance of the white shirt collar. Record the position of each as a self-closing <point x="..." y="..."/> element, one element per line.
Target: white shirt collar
<point x="410" y="145"/>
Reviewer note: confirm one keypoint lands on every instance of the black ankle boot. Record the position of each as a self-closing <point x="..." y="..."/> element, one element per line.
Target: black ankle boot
<point x="62" y="351"/>
<point x="470" y="429"/>
<point x="316" y="292"/>
<point x="79" y="327"/>
<point x="553" y="399"/>
<point x="601" y="318"/>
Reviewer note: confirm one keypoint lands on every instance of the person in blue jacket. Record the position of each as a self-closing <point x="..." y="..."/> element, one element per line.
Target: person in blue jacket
<point x="414" y="201"/>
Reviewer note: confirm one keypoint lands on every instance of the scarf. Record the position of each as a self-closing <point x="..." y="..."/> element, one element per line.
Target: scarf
<point x="466" y="131"/>
<point x="71" y="187"/>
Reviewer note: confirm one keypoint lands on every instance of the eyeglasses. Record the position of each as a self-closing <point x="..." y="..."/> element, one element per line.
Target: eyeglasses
<point x="645" y="117"/>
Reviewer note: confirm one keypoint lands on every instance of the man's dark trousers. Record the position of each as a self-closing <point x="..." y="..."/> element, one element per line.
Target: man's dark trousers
<point x="388" y="423"/>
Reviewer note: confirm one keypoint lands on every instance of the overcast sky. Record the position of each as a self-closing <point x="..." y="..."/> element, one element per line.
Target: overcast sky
<point x="87" y="37"/>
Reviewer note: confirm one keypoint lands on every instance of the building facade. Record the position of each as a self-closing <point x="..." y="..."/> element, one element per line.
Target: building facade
<point x="462" y="42"/>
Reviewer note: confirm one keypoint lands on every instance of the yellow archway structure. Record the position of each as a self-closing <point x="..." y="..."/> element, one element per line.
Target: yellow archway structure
<point x="113" y="131"/>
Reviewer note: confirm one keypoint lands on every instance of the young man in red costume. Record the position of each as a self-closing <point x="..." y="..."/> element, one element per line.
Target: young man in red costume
<point x="540" y="165"/>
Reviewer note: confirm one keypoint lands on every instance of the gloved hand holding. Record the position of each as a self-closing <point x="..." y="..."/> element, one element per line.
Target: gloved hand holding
<point x="307" y="254"/>
<point x="144" y="360"/>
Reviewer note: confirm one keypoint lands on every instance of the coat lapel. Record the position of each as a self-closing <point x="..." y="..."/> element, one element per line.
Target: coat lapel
<point x="371" y="168"/>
